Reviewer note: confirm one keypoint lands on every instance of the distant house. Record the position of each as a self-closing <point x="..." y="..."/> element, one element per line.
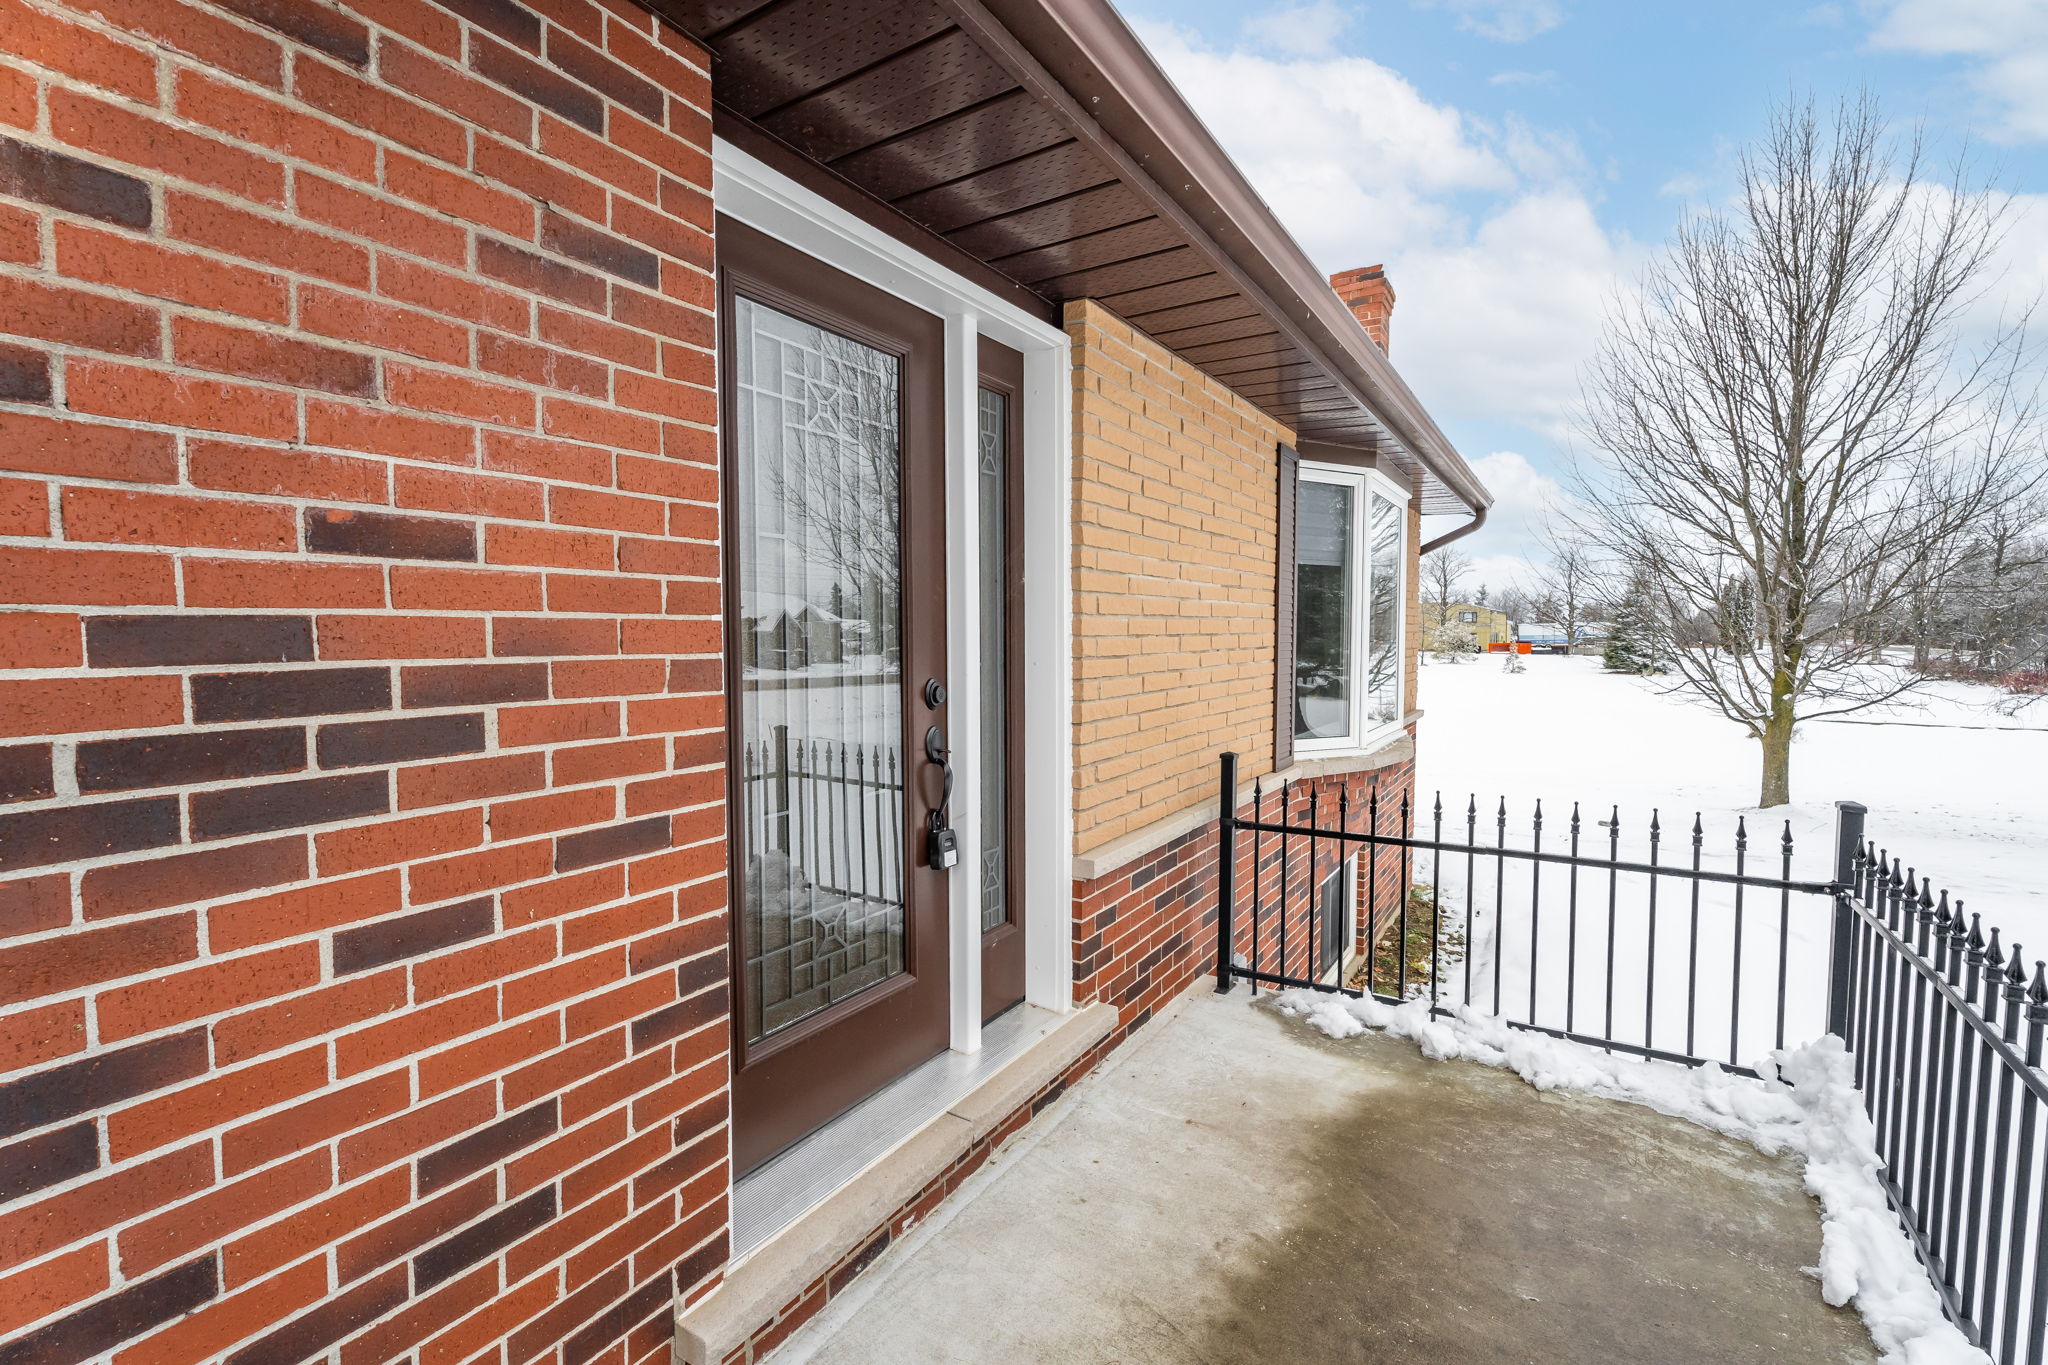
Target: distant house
<point x="1489" y="625"/>
<point x="1548" y="637"/>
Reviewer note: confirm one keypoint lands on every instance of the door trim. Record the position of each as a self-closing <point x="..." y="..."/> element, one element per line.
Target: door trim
<point x="749" y="190"/>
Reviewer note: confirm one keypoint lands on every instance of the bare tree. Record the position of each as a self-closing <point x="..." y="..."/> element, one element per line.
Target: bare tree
<point x="1570" y="587"/>
<point x="1515" y="603"/>
<point x="1443" y="581"/>
<point x="1790" y="428"/>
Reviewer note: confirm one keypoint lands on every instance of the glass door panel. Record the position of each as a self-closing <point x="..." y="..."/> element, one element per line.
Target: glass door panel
<point x="818" y="550"/>
<point x="992" y="483"/>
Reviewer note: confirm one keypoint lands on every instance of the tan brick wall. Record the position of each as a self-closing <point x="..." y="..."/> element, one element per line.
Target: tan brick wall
<point x="1174" y="501"/>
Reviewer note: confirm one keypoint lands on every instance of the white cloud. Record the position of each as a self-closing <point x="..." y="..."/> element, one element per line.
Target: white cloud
<point x="2006" y="42"/>
<point x="1521" y="78"/>
<point x="1504" y="21"/>
<point x="1298" y="30"/>
<point x="1487" y="231"/>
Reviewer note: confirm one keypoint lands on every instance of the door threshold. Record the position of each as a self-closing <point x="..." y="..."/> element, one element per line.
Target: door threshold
<point x="771" y="1197"/>
<point x="796" y="1216"/>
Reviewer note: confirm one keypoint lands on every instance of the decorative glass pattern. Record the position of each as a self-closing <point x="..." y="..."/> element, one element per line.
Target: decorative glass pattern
<point x="818" y="460"/>
<point x="994" y="429"/>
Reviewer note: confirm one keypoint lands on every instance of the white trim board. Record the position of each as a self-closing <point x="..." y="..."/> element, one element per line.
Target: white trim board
<point x="747" y="189"/>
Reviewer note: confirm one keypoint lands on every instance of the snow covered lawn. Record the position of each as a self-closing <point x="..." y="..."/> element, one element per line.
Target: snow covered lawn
<point x="1954" y="788"/>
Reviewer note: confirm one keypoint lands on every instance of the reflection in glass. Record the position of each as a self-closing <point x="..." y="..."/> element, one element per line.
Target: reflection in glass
<point x="1383" y="626"/>
<point x="993" y="462"/>
<point x="817" y="455"/>
<point x="1323" y="611"/>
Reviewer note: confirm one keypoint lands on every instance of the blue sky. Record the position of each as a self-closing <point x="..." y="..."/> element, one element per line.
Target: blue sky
<point x="1514" y="162"/>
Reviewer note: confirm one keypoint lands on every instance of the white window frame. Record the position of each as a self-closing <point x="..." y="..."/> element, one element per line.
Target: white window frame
<point x="1366" y="484"/>
<point x="749" y="190"/>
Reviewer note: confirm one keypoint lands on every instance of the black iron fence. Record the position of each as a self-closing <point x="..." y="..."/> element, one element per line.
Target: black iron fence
<point x="1691" y="946"/>
<point x="832" y="810"/>
<point x="1946" y="1024"/>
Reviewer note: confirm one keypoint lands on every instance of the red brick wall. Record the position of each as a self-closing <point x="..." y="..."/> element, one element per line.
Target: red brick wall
<point x="1143" y="932"/>
<point x="361" y="863"/>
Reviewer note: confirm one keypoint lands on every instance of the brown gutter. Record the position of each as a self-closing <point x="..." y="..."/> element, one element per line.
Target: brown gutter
<point x="1083" y="61"/>
<point x="1455" y="533"/>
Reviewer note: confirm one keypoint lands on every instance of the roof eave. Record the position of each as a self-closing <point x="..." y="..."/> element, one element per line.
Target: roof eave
<point x="1106" y="78"/>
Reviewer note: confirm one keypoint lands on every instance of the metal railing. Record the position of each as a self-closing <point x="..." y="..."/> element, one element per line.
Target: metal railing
<point x="833" y="809"/>
<point x="1689" y="949"/>
<point x="1947" y="1026"/>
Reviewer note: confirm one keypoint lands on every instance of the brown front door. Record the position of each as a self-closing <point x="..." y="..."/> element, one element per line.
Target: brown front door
<point x="833" y="432"/>
<point x="999" y="500"/>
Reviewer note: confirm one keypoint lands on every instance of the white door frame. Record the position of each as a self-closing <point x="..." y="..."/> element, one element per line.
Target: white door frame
<point x="747" y="189"/>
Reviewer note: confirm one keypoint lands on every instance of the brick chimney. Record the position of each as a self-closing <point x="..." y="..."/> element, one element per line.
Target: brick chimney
<point x="1370" y="298"/>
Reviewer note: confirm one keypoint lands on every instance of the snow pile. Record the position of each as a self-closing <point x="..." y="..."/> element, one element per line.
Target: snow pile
<point x="1807" y="1104"/>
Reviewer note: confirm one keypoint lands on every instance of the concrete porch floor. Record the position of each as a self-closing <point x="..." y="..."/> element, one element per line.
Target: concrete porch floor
<point x="1235" y="1187"/>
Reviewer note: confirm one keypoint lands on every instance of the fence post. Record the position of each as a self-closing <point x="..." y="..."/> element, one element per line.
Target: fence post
<point x="1226" y="868"/>
<point x="1841" y="963"/>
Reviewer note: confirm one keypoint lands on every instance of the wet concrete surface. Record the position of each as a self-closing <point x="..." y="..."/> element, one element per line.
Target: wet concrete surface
<point x="1235" y="1187"/>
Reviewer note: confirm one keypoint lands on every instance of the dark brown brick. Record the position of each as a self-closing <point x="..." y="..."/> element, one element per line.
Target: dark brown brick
<point x="487" y="1146"/>
<point x="37" y="838"/>
<point x="97" y="1328"/>
<point x="313" y="24"/>
<point x="699" y="1264"/>
<point x="423" y="1221"/>
<point x="606" y="76"/>
<point x="129" y="888"/>
<point x="523" y="269"/>
<point x="288" y="805"/>
<point x="311" y="1333"/>
<point x="24" y="375"/>
<point x="445" y="1258"/>
<point x="502" y="17"/>
<point x="26" y="773"/>
<point x="41" y="1161"/>
<point x="65" y="182"/>
<point x="473" y="684"/>
<point x="81" y="1087"/>
<point x="588" y="1343"/>
<point x="290" y="692"/>
<point x="611" y="843"/>
<point x="360" y="743"/>
<point x="429" y="931"/>
<point x="613" y="255"/>
<point x="522" y="76"/>
<point x="699" y="1119"/>
<point x="708" y="969"/>
<point x="673" y="1021"/>
<point x="186" y="639"/>
<point x="848" y="1273"/>
<point x="339" y="531"/>
<point x="109" y="765"/>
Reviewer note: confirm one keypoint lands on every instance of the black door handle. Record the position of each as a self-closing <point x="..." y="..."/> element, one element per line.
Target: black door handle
<point x="942" y="845"/>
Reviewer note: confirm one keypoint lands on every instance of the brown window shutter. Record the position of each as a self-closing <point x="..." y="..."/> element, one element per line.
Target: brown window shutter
<point x="1284" y="614"/>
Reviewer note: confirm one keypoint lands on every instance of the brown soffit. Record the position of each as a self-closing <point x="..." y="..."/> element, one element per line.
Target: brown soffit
<point x="1107" y="78"/>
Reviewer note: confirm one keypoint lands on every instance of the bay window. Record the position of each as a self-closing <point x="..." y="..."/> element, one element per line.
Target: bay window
<point x="1349" y="528"/>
